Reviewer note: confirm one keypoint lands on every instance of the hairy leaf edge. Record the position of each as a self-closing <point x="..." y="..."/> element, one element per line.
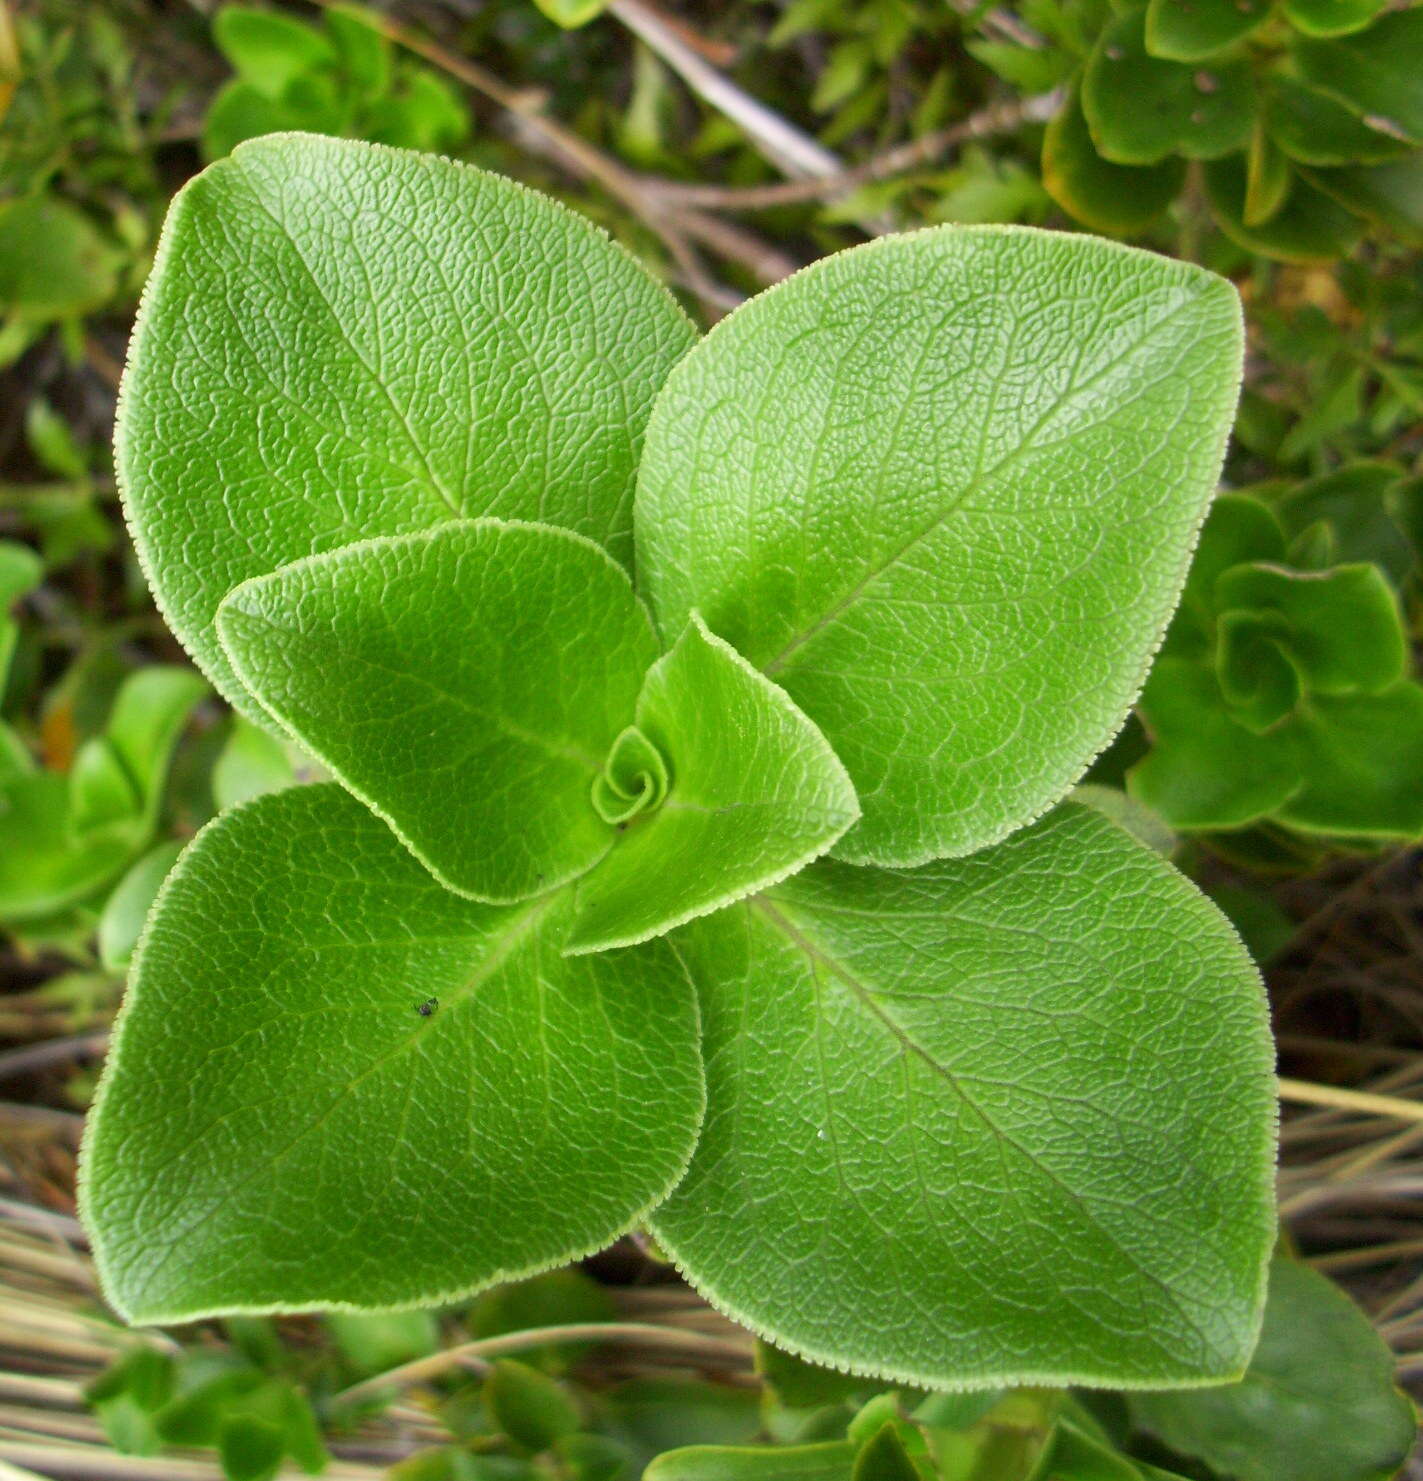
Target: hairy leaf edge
<point x="376" y="542"/>
<point x="1208" y="283"/>
<point x="176" y="212"/>
<point x="577" y="948"/>
<point x="136" y="1316"/>
<point x="1205" y="910"/>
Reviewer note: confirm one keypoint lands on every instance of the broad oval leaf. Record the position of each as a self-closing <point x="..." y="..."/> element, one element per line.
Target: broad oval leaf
<point x="755" y="793"/>
<point x="466" y="683"/>
<point x="337" y="1084"/>
<point x="341" y="340"/>
<point x="1024" y="1114"/>
<point x="943" y="489"/>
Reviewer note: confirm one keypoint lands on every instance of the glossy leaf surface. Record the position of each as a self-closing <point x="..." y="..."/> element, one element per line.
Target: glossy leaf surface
<point x="335" y="1083"/>
<point x="999" y="1083"/>
<point x="342" y="341"/>
<point x="942" y="489"/>
<point x="466" y="683"/>
<point x="755" y="793"/>
<point x="1375" y="71"/>
<point x="1191" y="30"/>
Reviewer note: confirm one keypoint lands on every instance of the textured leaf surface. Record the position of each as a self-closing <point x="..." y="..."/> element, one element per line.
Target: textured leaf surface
<point x="467" y="683"/>
<point x="942" y="489"/>
<point x="281" y="1126"/>
<point x="1022" y="1113"/>
<point x="1318" y="1402"/>
<point x="755" y="793"/>
<point x="342" y="341"/>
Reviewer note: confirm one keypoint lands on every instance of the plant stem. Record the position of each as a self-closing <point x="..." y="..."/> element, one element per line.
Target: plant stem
<point x="478" y="1352"/>
<point x="1306" y="1092"/>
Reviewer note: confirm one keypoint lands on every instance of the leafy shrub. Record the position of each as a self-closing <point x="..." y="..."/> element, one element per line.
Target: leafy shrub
<point x="1282" y="692"/>
<point x="551" y="955"/>
<point x="339" y="78"/>
<point x="1306" y="116"/>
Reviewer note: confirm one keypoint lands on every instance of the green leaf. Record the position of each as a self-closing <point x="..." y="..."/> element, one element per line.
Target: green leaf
<point x="1315" y="128"/>
<point x="1259" y="678"/>
<point x="1237" y="529"/>
<point x="1267" y="177"/>
<point x="1192" y="30"/>
<point x="1360" y="757"/>
<point x="250" y="1448"/>
<point x="308" y="371"/>
<point x="127" y="908"/>
<point x="1129" y="814"/>
<point x="373" y="1342"/>
<point x="1029" y="69"/>
<point x="411" y="668"/>
<point x="336" y="1084"/>
<point x="1359" y="504"/>
<point x="251" y="762"/>
<point x="1120" y="199"/>
<point x="362" y="48"/>
<point x="1307" y="228"/>
<point x="1331" y="17"/>
<point x="1344" y="626"/>
<point x="1375" y="71"/>
<point x="756" y="793"/>
<point x="148" y="715"/>
<point x="909" y="484"/>
<point x="832" y="1461"/>
<point x="1389" y="194"/>
<point x="1071" y="1454"/>
<point x="1205" y="770"/>
<point x="1318" y="1402"/>
<point x="1001" y="1084"/>
<point x="54" y="263"/>
<point x="242" y="110"/>
<point x="269" y="49"/>
<point x="1141" y="109"/>
<point x="528" y="1406"/>
<point x="572" y="13"/>
<point x="42" y="871"/>
<point x="802" y="1385"/>
<point x="884" y="1458"/>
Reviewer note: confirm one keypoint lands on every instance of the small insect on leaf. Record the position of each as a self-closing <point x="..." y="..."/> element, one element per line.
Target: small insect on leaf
<point x="427" y="1008"/>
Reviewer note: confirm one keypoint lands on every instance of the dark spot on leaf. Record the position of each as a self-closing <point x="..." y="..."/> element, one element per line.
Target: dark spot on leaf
<point x="427" y="1008"/>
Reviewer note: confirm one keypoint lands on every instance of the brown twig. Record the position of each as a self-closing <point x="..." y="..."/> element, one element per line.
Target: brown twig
<point x="916" y="154"/>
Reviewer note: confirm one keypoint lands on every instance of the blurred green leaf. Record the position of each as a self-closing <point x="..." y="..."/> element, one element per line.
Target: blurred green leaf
<point x="373" y="1342"/>
<point x="1140" y="109"/>
<point x="572" y="13"/>
<point x="1375" y="71"/>
<point x="1118" y="199"/>
<point x="54" y="263"/>
<point x="833" y="1461"/>
<point x="1192" y="30"/>
<point x="127" y="907"/>
<point x="1318" y="1402"/>
<point x="1331" y="17"/>
<point x="252" y="761"/>
<point x="529" y="1406"/>
<point x="1308" y="227"/>
<point x="268" y="48"/>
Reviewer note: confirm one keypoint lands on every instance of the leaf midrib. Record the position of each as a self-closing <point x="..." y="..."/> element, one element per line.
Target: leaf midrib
<point x="866" y="997"/>
<point x="974" y="485"/>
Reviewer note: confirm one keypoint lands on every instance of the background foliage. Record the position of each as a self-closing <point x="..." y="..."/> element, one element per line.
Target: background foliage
<point x="1277" y="752"/>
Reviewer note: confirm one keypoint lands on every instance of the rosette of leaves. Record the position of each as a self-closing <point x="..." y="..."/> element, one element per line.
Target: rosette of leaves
<point x="1306" y="117"/>
<point x="698" y="715"/>
<point x="337" y="78"/>
<point x="1283" y="690"/>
